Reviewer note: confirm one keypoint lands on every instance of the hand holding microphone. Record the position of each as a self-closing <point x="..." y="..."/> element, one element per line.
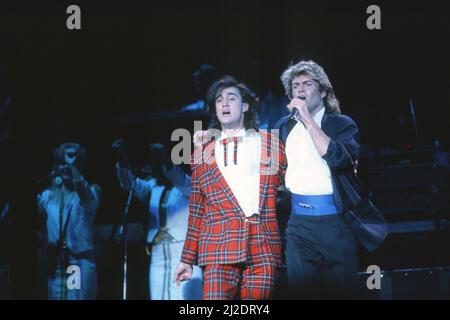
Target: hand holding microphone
<point x="295" y="106"/>
<point x="300" y="112"/>
<point x="60" y="174"/>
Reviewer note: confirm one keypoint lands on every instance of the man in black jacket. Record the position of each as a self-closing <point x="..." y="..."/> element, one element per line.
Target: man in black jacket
<point x="321" y="146"/>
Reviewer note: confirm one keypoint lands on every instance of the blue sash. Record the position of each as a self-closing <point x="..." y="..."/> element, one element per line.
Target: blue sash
<point x="319" y="205"/>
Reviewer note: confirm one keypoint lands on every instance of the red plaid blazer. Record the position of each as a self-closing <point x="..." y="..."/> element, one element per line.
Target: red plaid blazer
<point x="217" y="230"/>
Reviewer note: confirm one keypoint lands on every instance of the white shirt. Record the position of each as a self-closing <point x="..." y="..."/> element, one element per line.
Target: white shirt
<point x="243" y="178"/>
<point x="307" y="172"/>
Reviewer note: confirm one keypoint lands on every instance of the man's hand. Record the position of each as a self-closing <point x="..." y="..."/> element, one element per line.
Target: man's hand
<point x="64" y="171"/>
<point x="320" y="139"/>
<point x="200" y="138"/>
<point x="303" y="114"/>
<point x="183" y="273"/>
<point x="121" y="153"/>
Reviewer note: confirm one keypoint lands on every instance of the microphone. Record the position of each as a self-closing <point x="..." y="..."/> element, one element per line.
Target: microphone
<point x="54" y="176"/>
<point x="58" y="180"/>
<point x="294" y="112"/>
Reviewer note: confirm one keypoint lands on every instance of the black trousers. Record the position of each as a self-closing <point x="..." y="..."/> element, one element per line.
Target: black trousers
<point x="321" y="258"/>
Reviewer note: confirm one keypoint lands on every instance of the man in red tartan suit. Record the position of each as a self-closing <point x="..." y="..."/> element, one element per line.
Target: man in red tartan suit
<point x="233" y="231"/>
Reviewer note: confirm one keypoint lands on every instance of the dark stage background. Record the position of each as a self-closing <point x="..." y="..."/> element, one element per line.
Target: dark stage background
<point x="131" y="60"/>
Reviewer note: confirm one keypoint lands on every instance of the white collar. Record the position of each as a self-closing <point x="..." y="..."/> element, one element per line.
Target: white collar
<point x="241" y="133"/>
<point x="319" y="116"/>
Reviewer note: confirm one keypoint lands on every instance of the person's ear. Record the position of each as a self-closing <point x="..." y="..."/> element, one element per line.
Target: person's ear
<point x="245" y="107"/>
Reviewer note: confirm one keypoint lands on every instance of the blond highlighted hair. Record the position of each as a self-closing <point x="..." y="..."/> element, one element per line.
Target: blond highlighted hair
<point x="315" y="72"/>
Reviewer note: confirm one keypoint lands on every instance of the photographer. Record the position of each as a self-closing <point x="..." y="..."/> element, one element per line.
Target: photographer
<point x="67" y="208"/>
<point x="166" y="193"/>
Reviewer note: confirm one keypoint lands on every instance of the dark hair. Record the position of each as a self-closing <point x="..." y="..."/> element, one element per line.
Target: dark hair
<point x="248" y="96"/>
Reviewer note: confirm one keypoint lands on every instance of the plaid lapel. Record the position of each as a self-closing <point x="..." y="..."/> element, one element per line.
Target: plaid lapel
<point x="215" y="174"/>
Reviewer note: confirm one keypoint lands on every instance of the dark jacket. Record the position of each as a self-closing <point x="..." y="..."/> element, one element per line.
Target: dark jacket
<point x="367" y="225"/>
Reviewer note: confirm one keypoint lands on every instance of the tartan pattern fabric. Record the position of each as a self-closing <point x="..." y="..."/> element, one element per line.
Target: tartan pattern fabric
<point x="217" y="231"/>
<point x="253" y="280"/>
